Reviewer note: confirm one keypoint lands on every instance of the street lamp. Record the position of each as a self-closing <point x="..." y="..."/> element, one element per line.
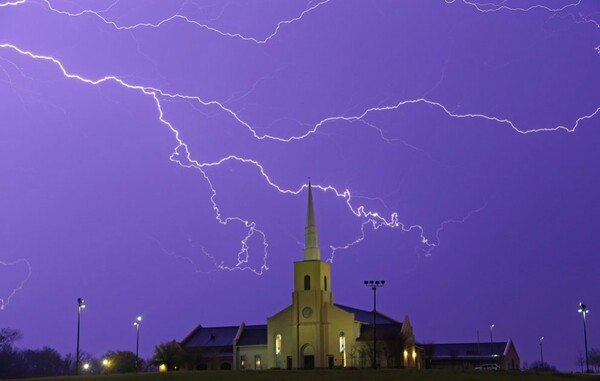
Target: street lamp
<point x="542" y="350"/>
<point x="492" y="339"/>
<point x="137" y="323"/>
<point x="374" y="285"/>
<point x="80" y="306"/>
<point x="584" y="311"/>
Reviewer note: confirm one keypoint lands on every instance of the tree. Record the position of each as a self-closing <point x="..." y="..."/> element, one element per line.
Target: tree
<point x="10" y="362"/>
<point x="170" y="354"/>
<point x="121" y="362"/>
<point x="594" y="358"/>
<point x="45" y="362"/>
<point x="538" y="366"/>
<point x="393" y="348"/>
<point x="8" y="336"/>
<point x="580" y="361"/>
<point x="428" y="349"/>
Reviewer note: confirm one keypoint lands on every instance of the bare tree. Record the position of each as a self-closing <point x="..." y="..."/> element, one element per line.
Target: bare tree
<point x="393" y="346"/>
<point x="595" y="359"/>
<point x="8" y="336"/>
<point x="580" y="361"/>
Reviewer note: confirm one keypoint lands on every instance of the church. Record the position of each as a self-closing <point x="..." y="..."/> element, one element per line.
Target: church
<point x="312" y="332"/>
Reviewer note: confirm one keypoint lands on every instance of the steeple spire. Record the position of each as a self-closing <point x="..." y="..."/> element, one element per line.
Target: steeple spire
<point x="311" y="240"/>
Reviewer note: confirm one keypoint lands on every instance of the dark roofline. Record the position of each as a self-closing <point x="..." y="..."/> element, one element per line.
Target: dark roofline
<point x="199" y="327"/>
<point x="350" y="309"/>
<point x="190" y="335"/>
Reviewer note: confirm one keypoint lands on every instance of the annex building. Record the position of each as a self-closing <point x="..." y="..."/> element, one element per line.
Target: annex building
<point x="469" y="356"/>
<point x="312" y="332"/>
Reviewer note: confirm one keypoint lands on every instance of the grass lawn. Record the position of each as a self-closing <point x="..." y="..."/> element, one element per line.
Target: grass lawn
<point x="333" y="375"/>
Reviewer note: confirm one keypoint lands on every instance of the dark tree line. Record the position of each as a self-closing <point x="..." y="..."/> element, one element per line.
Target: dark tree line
<point x="47" y="362"/>
<point x="15" y="363"/>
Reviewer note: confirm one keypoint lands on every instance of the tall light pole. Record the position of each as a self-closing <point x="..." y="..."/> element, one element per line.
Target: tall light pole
<point x="584" y="311"/>
<point x="374" y="285"/>
<point x="542" y="350"/>
<point x="80" y="306"/>
<point x="137" y="323"/>
<point x="492" y="339"/>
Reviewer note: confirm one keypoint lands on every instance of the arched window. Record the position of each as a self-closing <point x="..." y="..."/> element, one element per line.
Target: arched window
<point x="325" y="283"/>
<point x="278" y="351"/>
<point x="307" y="282"/>
<point x="342" y="349"/>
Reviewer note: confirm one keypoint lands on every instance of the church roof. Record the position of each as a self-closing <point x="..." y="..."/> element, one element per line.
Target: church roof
<point x="210" y="337"/>
<point x="367" y="316"/>
<point x="253" y="335"/>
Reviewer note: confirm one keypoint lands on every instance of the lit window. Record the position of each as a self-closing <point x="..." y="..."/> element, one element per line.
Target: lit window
<point x="257" y="361"/>
<point x="278" y="351"/>
<point x="342" y="349"/>
<point x="242" y="362"/>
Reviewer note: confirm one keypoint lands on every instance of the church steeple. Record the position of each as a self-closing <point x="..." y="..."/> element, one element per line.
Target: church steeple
<point x="311" y="240"/>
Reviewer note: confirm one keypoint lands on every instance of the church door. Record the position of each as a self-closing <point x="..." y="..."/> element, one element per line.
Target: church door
<point x="309" y="362"/>
<point x="308" y="356"/>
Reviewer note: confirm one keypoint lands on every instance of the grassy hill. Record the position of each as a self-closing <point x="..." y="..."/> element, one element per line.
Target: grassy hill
<point x="332" y="375"/>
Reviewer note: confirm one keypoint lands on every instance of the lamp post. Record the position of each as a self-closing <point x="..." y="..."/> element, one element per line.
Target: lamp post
<point x="80" y="306"/>
<point x="374" y="285"/>
<point x="137" y="323"/>
<point x="542" y="350"/>
<point x="492" y="339"/>
<point x="584" y="311"/>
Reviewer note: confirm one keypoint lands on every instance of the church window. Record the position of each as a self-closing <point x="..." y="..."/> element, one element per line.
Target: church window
<point x="325" y="283"/>
<point x="242" y="362"/>
<point x="307" y="282"/>
<point x="342" y="349"/>
<point x="257" y="361"/>
<point x="278" y="351"/>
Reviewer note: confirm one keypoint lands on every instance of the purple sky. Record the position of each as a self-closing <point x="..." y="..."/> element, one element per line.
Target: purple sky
<point x="153" y="158"/>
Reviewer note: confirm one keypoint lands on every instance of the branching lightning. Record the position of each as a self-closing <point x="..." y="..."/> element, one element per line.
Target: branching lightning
<point x="493" y="7"/>
<point x="5" y="302"/>
<point x="182" y="18"/>
<point x="183" y="157"/>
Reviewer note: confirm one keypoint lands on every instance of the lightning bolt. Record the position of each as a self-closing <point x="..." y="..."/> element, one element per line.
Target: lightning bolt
<point x="177" y="17"/>
<point x="12" y="3"/>
<point x="492" y="7"/>
<point x="182" y="156"/>
<point x="5" y="302"/>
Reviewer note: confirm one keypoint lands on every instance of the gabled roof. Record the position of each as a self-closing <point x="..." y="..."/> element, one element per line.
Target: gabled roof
<point x="210" y="337"/>
<point x="383" y="331"/>
<point x="253" y="335"/>
<point x="367" y="316"/>
<point x="468" y="350"/>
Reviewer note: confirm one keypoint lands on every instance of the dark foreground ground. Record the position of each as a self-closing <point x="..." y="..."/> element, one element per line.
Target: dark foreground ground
<point x="333" y="375"/>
